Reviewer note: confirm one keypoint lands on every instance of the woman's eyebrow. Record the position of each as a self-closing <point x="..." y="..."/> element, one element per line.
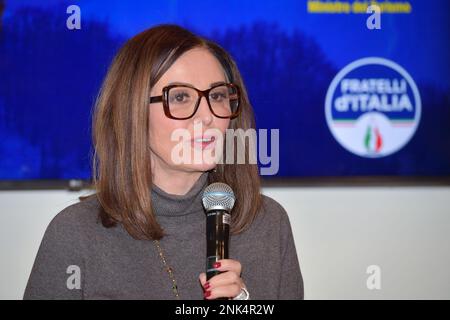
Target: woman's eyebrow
<point x="216" y="83"/>
<point x="191" y="85"/>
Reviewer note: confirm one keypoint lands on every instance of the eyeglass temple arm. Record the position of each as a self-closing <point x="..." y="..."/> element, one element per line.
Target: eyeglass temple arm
<point x="156" y="99"/>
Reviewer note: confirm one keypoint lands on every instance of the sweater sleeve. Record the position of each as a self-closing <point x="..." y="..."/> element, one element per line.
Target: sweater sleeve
<point x="291" y="281"/>
<point x="57" y="272"/>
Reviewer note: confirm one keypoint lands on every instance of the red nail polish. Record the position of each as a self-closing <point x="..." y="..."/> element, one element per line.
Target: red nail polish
<point x="216" y="265"/>
<point x="207" y="285"/>
<point x="207" y="294"/>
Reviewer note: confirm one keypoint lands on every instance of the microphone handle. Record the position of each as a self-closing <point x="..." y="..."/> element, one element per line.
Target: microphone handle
<point x="217" y="238"/>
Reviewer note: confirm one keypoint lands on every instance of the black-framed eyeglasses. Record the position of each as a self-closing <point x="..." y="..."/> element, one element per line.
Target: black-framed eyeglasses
<point x="180" y="102"/>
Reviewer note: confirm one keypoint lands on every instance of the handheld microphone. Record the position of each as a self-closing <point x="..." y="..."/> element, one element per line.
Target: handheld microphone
<point x="218" y="200"/>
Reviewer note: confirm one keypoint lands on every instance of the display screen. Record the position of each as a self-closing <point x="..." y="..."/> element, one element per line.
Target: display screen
<point x="342" y="89"/>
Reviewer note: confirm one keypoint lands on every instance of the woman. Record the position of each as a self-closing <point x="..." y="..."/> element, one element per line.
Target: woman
<point x="142" y="235"/>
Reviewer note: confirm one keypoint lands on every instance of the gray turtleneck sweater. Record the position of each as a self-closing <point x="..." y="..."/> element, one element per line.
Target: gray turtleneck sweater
<point x="80" y="259"/>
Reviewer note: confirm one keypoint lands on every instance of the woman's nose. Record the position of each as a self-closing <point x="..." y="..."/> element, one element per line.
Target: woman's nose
<point x="203" y="112"/>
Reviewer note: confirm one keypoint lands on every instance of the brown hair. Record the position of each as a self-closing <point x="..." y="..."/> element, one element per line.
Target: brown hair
<point x="121" y="161"/>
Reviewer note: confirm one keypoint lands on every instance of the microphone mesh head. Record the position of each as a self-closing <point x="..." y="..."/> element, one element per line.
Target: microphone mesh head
<point x="218" y="196"/>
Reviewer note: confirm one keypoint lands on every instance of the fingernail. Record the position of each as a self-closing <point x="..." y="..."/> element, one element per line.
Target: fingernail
<point x="207" y="294"/>
<point x="216" y="265"/>
<point x="207" y="285"/>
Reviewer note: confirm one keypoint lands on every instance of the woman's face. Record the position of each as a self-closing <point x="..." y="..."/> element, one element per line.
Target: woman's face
<point x="200" y="69"/>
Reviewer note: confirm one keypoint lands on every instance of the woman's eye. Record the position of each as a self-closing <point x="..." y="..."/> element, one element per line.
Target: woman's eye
<point x="217" y="96"/>
<point x="179" y="97"/>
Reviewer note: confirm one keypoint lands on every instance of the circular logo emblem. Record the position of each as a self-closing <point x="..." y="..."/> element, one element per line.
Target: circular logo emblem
<point x="373" y="107"/>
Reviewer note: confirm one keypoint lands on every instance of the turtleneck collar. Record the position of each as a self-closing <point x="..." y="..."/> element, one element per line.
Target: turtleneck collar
<point x="165" y="204"/>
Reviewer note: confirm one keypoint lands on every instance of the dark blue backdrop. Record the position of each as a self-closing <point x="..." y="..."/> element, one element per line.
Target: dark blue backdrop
<point x="49" y="77"/>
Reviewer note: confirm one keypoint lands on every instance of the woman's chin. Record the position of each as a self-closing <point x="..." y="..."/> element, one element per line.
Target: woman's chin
<point x="200" y="167"/>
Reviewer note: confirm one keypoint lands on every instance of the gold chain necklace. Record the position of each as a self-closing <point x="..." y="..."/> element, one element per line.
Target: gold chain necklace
<point x="168" y="269"/>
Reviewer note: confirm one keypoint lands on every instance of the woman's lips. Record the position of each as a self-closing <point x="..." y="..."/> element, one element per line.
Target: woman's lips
<point x="203" y="142"/>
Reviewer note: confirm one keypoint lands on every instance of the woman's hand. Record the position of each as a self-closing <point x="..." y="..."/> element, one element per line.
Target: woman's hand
<point x="227" y="284"/>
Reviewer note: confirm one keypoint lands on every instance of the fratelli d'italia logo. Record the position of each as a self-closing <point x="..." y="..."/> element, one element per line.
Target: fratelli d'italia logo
<point x="373" y="107"/>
